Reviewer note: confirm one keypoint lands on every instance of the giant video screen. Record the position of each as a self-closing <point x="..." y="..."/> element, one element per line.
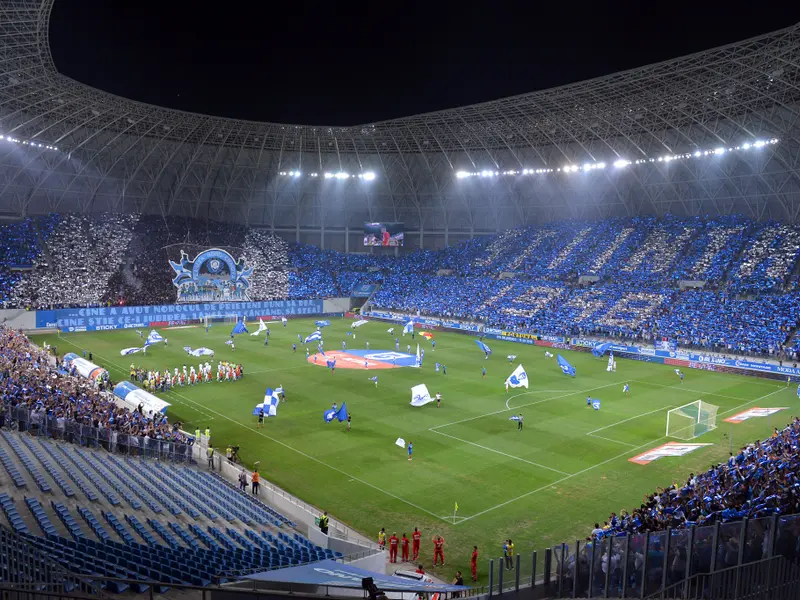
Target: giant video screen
<point x="383" y="234"/>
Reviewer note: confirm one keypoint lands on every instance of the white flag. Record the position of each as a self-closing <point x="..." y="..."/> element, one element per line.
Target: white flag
<point x="125" y="351"/>
<point x="359" y="323"/>
<point x="420" y="395"/>
<point x="519" y="378"/>
<point x="400" y="442"/>
<point x="419" y="360"/>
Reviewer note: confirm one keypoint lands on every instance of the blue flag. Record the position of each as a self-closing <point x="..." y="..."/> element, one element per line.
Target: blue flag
<point x="314" y="336"/>
<point x="600" y="349"/>
<point x="348" y="333"/>
<point x="239" y="328"/>
<point x="321" y="351"/>
<point x="514" y="418"/>
<point x="374" y="378"/>
<point x="567" y="368"/>
<point x="329" y="415"/>
<point x="595" y="404"/>
<point x="342" y="414"/>
<point x="483" y="347"/>
<point x="325" y="323"/>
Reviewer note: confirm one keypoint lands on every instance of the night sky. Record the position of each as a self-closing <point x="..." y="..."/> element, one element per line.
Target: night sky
<point x="347" y="63"/>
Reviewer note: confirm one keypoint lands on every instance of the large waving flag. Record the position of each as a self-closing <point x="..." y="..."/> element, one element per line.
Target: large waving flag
<point x="390" y="330"/>
<point x="610" y="366"/>
<point x="567" y="368"/>
<point x="261" y="327"/>
<point x="420" y="395"/>
<point x="198" y="351"/>
<point x="408" y="327"/>
<point x="314" y="336"/>
<point x="238" y="328"/>
<point x="270" y="404"/>
<point x="324" y="323"/>
<point x="329" y="415"/>
<point x="126" y="351"/>
<point x="153" y="338"/>
<point x="359" y="323"/>
<point x="483" y="347"/>
<point x="519" y="378"/>
<point x="419" y="358"/>
<point x="427" y="335"/>
<point x="600" y="349"/>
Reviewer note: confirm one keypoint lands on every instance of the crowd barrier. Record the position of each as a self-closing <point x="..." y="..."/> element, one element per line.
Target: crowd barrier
<point x="37" y="423"/>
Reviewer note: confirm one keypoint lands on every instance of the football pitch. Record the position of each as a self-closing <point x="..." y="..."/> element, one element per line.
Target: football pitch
<point x="567" y="469"/>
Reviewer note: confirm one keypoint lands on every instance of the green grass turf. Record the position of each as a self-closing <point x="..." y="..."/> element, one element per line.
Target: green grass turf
<point x="540" y="487"/>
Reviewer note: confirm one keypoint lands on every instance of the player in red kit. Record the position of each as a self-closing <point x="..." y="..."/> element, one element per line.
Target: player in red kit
<point x="473" y="563"/>
<point x="415" y="539"/>
<point x="404" y="547"/>
<point x="393" y="548"/>
<point x="438" y="549"/>
<point x="385" y="237"/>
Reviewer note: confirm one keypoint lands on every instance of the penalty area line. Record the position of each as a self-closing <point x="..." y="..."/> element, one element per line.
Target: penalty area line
<point x="511" y="456"/>
<point x="600" y="464"/>
<point x="497" y="412"/>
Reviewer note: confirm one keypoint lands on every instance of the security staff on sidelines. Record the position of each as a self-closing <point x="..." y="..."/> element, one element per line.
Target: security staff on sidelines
<point x="208" y="435"/>
<point x="323" y="522"/>
<point x="210" y="454"/>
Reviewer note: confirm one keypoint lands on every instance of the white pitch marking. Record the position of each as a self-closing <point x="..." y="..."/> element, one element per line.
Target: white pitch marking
<point x="539" y="391"/>
<point x="530" y="462"/>
<point x="629" y="419"/>
<point x="587" y="469"/>
<point x="600" y="437"/>
<point x="324" y="464"/>
<point x="496" y="412"/>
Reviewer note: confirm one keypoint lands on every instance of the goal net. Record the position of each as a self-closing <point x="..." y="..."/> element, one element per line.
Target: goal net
<point x="220" y="318"/>
<point x="692" y="420"/>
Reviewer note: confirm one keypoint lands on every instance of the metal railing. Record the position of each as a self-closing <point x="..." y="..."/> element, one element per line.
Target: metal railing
<point x="22" y="419"/>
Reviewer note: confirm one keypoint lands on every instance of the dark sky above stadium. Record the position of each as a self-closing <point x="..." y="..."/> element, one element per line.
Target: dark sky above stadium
<point x="347" y="63"/>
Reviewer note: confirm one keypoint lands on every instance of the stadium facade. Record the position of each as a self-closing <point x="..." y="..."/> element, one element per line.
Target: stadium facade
<point x="79" y="149"/>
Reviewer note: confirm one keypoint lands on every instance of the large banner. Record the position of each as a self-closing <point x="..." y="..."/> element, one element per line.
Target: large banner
<point x="363" y="290"/>
<point x="136" y="317"/>
<point x="213" y="276"/>
<point x="426" y="321"/>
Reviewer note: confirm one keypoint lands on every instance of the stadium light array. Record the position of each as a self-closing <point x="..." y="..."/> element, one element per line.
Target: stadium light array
<point x="341" y="175"/>
<point x="32" y="144"/>
<point x="621" y="163"/>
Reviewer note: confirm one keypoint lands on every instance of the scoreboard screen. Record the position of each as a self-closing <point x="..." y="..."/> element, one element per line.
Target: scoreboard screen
<point x="383" y="234"/>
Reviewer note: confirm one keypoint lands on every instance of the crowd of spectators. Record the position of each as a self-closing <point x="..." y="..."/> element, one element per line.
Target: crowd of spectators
<point x="759" y="480"/>
<point x="20" y="248"/>
<point x="267" y="255"/>
<point x="82" y="255"/>
<point x="35" y="392"/>
<point x="767" y="260"/>
<point x="526" y="279"/>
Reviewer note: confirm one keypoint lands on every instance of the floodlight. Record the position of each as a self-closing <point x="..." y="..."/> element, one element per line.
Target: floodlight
<point x="328" y="175"/>
<point x="368" y="176"/>
<point x="342" y="175"/>
<point x="621" y="163"/>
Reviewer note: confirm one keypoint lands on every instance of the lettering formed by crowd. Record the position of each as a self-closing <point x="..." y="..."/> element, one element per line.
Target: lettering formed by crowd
<point x="156" y="381"/>
<point x="758" y="481"/>
<point x="36" y="393"/>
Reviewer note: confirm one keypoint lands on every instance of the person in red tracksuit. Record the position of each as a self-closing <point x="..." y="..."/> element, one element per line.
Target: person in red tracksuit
<point x="473" y="563"/>
<point x="415" y="539"/>
<point x="393" y="548"/>
<point x="438" y="549"/>
<point x="404" y="547"/>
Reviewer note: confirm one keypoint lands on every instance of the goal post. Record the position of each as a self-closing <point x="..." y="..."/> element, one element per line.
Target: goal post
<point x="691" y="420"/>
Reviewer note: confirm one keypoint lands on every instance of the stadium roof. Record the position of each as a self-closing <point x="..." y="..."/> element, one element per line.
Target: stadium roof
<point x="135" y="156"/>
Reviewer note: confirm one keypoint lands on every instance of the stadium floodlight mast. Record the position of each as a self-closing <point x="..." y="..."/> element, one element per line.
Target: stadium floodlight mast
<point x="619" y="163"/>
